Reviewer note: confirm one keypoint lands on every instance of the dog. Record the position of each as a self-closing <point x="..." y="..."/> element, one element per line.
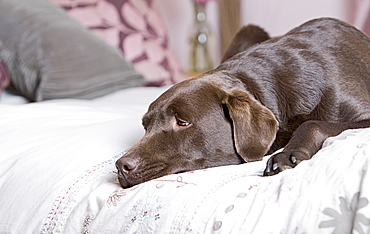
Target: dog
<point x="290" y="92"/>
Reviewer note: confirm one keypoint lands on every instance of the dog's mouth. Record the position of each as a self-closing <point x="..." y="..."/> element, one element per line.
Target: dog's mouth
<point x="142" y="174"/>
<point x="132" y="179"/>
<point x="128" y="181"/>
<point x="124" y="182"/>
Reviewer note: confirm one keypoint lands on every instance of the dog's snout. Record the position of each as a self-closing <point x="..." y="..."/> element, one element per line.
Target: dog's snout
<point x="126" y="165"/>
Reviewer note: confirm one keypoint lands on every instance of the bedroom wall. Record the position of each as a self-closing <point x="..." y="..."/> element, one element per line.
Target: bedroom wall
<point x="178" y="17"/>
<point x="275" y="16"/>
<point x="278" y="17"/>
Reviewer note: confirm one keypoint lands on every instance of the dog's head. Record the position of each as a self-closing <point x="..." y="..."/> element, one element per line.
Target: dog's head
<point x="199" y="123"/>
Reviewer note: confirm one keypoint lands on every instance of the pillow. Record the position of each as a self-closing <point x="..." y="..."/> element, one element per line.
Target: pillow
<point x="134" y="27"/>
<point x="4" y="77"/>
<point x="48" y="55"/>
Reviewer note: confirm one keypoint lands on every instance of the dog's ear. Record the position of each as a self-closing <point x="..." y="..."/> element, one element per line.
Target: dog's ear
<point x="254" y="125"/>
<point x="245" y="38"/>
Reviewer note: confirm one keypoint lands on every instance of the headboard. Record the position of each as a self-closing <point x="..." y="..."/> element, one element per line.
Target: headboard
<point x="229" y="11"/>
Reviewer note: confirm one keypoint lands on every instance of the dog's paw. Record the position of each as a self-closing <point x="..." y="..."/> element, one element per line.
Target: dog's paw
<point x="282" y="161"/>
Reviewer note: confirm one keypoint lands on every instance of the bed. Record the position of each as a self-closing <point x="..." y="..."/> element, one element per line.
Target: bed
<point x="58" y="152"/>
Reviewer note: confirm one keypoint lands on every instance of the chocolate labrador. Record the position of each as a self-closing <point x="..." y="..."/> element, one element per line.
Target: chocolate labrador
<point x="292" y="91"/>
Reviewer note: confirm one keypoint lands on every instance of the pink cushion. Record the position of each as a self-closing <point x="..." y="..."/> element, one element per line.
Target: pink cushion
<point x="134" y="27"/>
<point x="4" y="77"/>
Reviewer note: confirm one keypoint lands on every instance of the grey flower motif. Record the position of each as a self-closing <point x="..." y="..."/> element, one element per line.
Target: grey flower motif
<point x="348" y="220"/>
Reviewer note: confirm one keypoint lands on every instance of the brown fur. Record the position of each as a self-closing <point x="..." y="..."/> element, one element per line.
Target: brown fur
<point x="292" y="91"/>
<point x="246" y="37"/>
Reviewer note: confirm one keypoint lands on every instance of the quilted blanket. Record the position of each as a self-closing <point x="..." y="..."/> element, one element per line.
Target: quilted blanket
<point x="57" y="175"/>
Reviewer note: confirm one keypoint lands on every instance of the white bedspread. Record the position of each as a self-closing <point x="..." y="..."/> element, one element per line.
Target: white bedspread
<point x="57" y="175"/>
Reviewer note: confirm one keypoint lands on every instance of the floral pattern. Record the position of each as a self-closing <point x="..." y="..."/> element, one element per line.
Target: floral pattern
<point x="63" y="204"/>
<point x="86" y="224"/>
<point x="348" y="219"/>
<point x="144" y="216"/>
<point x="116" y="196"/>
<point x="179" y="181"/>
<point x="218" y="223"/>
<point x="136" y="29"/>
<point x="224" y="199"/>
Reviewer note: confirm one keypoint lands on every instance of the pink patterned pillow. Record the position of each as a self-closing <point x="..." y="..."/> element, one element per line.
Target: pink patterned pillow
<point x="4" y="77"/>
<point x="134" y="27"/>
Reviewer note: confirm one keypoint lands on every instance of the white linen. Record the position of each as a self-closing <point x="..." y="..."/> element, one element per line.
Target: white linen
<point x="9" y="98"/>
<point x="57" y="175"/>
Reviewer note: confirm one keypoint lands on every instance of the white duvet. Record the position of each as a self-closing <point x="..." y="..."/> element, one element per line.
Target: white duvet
<point x="57" y="175"/>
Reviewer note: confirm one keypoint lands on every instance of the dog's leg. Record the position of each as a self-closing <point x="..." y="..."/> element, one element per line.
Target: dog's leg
<point x="306" y="141"/>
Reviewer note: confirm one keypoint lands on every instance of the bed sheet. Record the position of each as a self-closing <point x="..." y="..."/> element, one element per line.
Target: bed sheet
<point x="57" y="175"/>
<point x="7" y="97"/>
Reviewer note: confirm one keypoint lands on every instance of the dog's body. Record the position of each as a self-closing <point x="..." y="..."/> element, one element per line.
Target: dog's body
<point x="293" y="91"/>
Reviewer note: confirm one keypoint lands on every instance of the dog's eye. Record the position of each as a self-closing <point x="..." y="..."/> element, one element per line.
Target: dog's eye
<point x="182" y="123"/>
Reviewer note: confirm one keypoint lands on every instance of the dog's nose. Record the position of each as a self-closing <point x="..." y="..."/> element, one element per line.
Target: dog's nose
<point x="126" y="165"/>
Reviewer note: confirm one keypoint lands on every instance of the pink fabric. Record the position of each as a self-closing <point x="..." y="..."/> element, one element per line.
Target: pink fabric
<point x="4" y="77"/>
<point x="359" y="13"/>
<point x="134" y="27"/>
<point x="203" y="2"/>
<point x="365" y="24"/>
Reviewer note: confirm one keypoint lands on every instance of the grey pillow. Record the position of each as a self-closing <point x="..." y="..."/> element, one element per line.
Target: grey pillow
<point x="48" y="55"/>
